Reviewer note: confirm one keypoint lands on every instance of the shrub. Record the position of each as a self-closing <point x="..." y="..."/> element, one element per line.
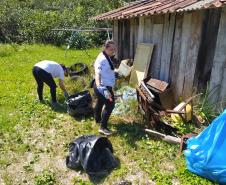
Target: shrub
<point x="28" y="21"/>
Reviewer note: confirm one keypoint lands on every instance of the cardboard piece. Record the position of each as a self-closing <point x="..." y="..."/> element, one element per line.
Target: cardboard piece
<point x="157" y="84"/>
<point x="141" y="63"/>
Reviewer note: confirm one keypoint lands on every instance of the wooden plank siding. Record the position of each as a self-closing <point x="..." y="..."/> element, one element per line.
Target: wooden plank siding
<point x="189" y="48"/>
<point x="116" y="35"/>
<point x="132" y="43"/>
<point x="175" y="60"/>
<point x="193" y="46"/>
<point x="141" y="30"/>
<point x="157" y="38"/>
<point x="207" y="48"/>
<point x="218" y="73"/>
<point x="183" y="52"/>
<point x="169" y="28"/>
<point x="148" y="30"/>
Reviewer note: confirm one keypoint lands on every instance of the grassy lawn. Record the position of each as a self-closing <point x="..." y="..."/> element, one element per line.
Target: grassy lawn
<point x="34" y="139"/>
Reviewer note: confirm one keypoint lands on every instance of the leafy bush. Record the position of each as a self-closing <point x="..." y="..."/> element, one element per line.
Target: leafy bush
<point x="25" y="21"/>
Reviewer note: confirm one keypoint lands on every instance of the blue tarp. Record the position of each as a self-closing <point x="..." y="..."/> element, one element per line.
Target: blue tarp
<point x="206" y="153"/>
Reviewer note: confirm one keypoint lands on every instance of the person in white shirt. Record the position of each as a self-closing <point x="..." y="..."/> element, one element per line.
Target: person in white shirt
<point x="45" y="72"/>
<point x="104" y="84"/>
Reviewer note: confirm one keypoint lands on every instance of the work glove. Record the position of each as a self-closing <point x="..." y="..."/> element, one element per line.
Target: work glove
<point x="105" y="92"/>
<point x="66" y="95"/>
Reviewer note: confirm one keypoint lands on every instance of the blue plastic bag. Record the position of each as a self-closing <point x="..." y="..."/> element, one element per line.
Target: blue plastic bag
<point x="206" y="153"/>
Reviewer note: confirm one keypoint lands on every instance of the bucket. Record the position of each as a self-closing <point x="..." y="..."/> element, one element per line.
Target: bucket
<point x="124" y="69"/>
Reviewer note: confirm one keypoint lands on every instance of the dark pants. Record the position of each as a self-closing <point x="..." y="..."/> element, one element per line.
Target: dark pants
<point x="41" y="77"/>
<point x="102" y="116"/>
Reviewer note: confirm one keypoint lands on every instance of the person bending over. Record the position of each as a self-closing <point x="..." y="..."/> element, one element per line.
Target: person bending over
<point x="45" y="72"/>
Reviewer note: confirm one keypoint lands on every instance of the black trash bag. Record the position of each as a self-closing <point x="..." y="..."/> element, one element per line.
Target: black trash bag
<point x="93" y="153"/>
<point x="79" y="104"/>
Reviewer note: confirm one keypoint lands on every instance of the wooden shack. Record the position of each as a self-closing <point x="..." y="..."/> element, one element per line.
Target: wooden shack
<point x="189" y="38"/>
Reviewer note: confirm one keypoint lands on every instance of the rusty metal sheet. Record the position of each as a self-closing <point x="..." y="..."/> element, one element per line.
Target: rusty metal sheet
<point x="155" y="7"/>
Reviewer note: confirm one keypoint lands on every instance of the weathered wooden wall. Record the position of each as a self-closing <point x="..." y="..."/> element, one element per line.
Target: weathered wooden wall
<point x="190" y="49"/>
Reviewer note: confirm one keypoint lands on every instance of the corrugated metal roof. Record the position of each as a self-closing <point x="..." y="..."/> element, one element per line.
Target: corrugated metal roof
<point x="153" y="7"/>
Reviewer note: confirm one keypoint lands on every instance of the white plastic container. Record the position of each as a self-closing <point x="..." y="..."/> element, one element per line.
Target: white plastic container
<point x="124" y="69"/>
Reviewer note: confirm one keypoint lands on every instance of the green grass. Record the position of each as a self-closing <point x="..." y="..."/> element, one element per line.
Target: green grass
<point x="34" y="138"/>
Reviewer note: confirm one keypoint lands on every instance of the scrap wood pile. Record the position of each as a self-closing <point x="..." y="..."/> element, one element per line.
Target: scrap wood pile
<point x="155" y="97"/>
<point x="204" y="152"/>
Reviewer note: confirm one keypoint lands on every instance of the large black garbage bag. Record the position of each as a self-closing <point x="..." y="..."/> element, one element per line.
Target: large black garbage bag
<point x="79" y="104"/>
<point x="93" y="153"/>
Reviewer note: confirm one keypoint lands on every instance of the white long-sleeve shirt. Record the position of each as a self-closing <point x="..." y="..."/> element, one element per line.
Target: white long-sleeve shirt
<point x="103" y="68"/>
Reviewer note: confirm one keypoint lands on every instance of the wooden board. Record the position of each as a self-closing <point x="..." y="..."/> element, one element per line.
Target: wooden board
<point x="136" y="27"/>
<point x="115" y="35"/>
<point x="120" y="37"/>
<point x="186" y="30"/>
<point x="168" y="34"/>
<point x="192" y="53"/>
<point x="136" y="77"/>
<point x="157" y="84"/>
<point x="157" y="41"/>
<point x="223" y="88"/>
<point x="132" y="29"/>
<point x="141" y="30"/>
<point x="148" y="30"/>
<point x="207" y="49"/>
<point x="217" y="74"/>
<point x="174" y="65"/>
<point x="141" y="62"/>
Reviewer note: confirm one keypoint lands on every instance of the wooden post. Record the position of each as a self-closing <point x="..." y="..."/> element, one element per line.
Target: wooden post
<point x="218" y="78"/>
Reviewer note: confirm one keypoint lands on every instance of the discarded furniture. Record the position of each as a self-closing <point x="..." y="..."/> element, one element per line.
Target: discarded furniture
<point x="155" y="99"/>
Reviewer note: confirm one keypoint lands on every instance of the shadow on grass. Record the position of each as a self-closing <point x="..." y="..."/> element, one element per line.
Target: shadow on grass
<point x="100" y="178"/>
<point x="97" y="178"/>
<point x="130" y="132"/>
